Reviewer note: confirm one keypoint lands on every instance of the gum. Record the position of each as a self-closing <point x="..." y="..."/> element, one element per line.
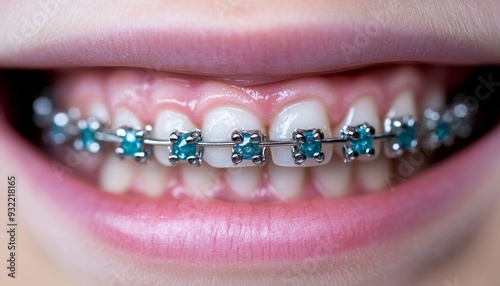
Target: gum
<point x="146" y="94"/>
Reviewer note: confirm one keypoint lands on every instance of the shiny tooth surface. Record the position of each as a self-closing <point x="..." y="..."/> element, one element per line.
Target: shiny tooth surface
<point x="124" y="117"/>
<point x="287" y="183"/>
<point x="99" y="111"/>
<point x="200" y="181"/>
<point x="245" y="181"/>
<point x="305" y="115"/>
<point x="363" y="110"/>
<point x="167" y="121"/>
<point x="403" y="104"/>
<point x="153" y="179"/>
<point x="333" y="180"/>
<point x="117" y="175"/>
<point x="373" y="175"/>
<point x="218" y="125"/>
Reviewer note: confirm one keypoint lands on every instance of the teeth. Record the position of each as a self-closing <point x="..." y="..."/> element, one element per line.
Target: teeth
<point x="153" y="179"/>
<point x="364" y="110"/>
<point x="218" y="126"/>
<point x="124" y="117"/>
<point x="333" y="179"/>
<point x="200" y="181"/>
<point x="165" y="123"/>
<point x="99" y="111"/>
<point x="373" y="175"/>
<point x="434" y="98"/>
<point x="117" y="175"/>
<point x="287" y="183"/>
<point x="304" y="115"/>
<point x="404" y="104"/>
<point x="244" y="181"/>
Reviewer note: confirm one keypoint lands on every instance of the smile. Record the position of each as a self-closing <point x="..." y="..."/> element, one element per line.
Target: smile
<point x="236" y="150"/>
<point x="300" y="135"/>
<point x="216" y="153"/>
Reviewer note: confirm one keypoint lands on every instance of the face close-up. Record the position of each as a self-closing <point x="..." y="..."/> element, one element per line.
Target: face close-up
<point x="240" y="142"/>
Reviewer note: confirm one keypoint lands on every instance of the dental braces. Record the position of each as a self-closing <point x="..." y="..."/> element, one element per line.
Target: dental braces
<point x="401" y="134"/>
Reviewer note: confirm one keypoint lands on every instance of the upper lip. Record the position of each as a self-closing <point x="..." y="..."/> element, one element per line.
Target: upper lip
<point x="247" y="56"/>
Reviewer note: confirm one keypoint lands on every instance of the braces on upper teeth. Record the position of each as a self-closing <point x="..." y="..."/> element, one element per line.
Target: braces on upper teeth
<point x="401" y="134"/>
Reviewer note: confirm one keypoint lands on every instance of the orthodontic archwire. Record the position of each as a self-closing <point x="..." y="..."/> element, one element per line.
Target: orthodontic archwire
<point x="404" y="133"/>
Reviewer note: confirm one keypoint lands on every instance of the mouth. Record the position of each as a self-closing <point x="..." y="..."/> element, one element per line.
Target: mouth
<point x="224" y="206"/>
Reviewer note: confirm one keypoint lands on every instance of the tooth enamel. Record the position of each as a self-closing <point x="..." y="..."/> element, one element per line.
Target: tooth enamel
<point x="404" y="104"/>
<point x="333" y="179"/>
<point x="373" y="175"/>
<point x="124" y="117"/>
<point x="153" y="179"/>
<point x="99" y="111"/>
<point x="403" y="108"/>
<point x="364" y="110"/>
<point x="286" y="182"/>
<point x="304" y="115"/>
<point x="117" y="175"/>
<point x="165" y="123"/>
<point x="200" y="181"/>
<point x="218" y="125"/>
<point x="245" y="181"/>
<point x="434" y="98"/>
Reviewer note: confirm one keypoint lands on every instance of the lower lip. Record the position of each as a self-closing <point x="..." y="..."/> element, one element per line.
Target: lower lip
<point x="217" y="231"/>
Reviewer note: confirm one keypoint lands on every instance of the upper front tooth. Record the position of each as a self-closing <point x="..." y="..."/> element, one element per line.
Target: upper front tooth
<point x="364" y="110"/>
<point x="124" y="117"/>
<point x="99" y="111"/>
<point x="403" y="108"/>
<point x="434" y="98"/>
<point x="165" y="123"/>
<point x="302" y="115"/>
<point x="218" y="125"/>
<point x="403" y="104"/>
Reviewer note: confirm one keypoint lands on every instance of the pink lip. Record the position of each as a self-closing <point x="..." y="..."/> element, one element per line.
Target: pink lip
<point x="255" y="56"/>
<point x="221" y="232"/>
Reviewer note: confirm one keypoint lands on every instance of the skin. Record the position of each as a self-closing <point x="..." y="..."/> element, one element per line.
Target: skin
<point x="470" y="261"/>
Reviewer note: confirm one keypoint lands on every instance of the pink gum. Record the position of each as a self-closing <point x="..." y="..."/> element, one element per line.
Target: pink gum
<point x="146" y="93"/>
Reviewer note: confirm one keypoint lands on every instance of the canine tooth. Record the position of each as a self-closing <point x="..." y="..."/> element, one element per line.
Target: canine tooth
<point x="403" y="104"/>
<point x="373" y="175"/>
<point x="364" y="110"/>
<point x="124" y="117"/>
<point x="218" y="125"/>
<point x="117" y="175"/>
<point x="333" y="179"/>
<point x="165" y="123"/>
<point x="287" y="182"/>
<point x="244" y="181"/>
<point x="200" y="181"/>
<point x="304" y="115"/>
<point x="153" y="179"/>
